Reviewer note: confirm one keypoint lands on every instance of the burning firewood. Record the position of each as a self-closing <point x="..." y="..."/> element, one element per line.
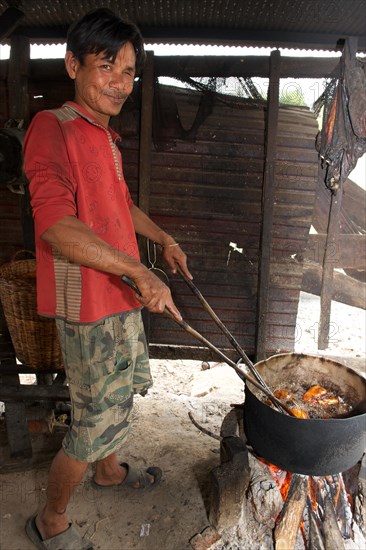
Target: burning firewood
<point x="286" y="530"/>
<point x="315" y="537"/>
<point x="332" y="534"/>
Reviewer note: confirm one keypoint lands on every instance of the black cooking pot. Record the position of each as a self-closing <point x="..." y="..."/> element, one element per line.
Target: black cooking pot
<point x="306" y="446"/>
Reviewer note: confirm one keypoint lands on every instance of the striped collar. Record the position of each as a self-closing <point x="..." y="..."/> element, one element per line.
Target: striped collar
<point x="87" y="116"/>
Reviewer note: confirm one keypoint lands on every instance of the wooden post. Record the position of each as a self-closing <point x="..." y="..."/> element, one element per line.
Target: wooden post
<point x="329" y="262"/>
<point x="18" y="78"/>
<point x="9" y="20"/>
<point x="267" y="204"/>
<point x="18" y="108"/>
<point x="147" y="99"/>
<point x="350" y="50"/>
<point x="19" y="440"/>
<point x="146" y="123"/>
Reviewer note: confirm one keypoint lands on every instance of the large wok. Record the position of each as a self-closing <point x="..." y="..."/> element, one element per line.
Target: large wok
<point x="307" y="446"/>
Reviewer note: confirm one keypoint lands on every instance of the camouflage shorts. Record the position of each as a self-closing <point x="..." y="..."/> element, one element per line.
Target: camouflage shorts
<point x="105" y="365"/>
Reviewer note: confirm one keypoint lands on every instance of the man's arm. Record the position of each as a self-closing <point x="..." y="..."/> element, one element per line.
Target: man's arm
<point x="71" y="238"/>
<point x="173" y="254"/>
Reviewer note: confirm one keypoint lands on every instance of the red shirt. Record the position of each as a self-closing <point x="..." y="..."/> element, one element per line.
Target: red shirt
<point x="74" y="168"/>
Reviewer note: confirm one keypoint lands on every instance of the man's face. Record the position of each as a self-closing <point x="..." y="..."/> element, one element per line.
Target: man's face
<point x="101" y="85"/>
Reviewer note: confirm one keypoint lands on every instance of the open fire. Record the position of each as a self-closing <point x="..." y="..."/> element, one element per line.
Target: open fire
<point x="314" y="498"/>
<point x="256" y="505"/>
<point x="321" y="507"/>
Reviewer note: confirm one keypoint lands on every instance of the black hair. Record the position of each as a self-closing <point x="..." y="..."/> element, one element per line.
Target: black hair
<point x="101" y="30"/>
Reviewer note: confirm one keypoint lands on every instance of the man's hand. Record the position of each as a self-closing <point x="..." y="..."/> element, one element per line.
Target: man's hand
<point x="172" y="253"/>
<point x="154" y="294"/>
<point x="175" y="257"/>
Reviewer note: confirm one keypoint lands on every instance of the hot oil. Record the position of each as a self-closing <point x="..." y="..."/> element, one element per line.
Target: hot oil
<point x="329" y="404"/>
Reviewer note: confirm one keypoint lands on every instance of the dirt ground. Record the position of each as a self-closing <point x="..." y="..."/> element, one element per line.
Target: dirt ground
<point x="163" y="435"/>
<point x="168" y="516"/>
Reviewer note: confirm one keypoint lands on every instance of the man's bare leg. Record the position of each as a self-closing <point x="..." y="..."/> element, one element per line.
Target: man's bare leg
<point x="65" y="475"/>
<point x="108" y="471"/>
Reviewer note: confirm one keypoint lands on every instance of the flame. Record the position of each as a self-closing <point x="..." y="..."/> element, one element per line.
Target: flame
<point x="312" y="494"/>
<point x="337" y="495"/>
<point x="318" y="488"/>
<point x="281" y="477"/>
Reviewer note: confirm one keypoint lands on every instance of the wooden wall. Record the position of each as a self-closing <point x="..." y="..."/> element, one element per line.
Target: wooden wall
<point x="206" y="189"/>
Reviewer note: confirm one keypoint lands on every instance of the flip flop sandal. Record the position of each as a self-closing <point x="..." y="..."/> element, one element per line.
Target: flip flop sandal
<point x="134" y="475"/>
<point x="68" y="540"/>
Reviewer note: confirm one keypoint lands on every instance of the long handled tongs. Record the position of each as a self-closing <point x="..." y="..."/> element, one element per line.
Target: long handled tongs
<point x="224" y="329"/>
<point x="242" y="374"/>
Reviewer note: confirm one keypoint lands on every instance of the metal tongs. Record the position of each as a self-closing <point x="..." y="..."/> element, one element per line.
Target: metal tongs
<point x="258" y="381"/>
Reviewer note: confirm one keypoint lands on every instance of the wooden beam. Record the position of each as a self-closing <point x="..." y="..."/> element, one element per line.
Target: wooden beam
<point x="346" y="290"/>
<point x="145" y="151"/>
<point x="326" y="295"/>
<point x="16" y="421"/>
<point x="18" y="78"/>
<point x="166" y="351"/>
<point x="213" y="35"/>
<point x="146" y="123"/>
<point x="185" y="66"/>
<point x="9" y="21"/>
<point x="27" y="392"/>
<point x="244" y="66"/>
<point x="9" y="366"/>
<point x="268" y="194"/>
<point x="350" y="251"/>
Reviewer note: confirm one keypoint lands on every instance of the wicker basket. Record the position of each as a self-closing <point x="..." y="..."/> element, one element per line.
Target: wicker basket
<point x="34" y="337"/>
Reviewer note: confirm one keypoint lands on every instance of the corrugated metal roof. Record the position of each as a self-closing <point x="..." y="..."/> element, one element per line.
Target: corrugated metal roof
<point x="300" y="23"/>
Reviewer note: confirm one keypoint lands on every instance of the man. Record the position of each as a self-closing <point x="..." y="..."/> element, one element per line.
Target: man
<point x="85" y="226"/>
